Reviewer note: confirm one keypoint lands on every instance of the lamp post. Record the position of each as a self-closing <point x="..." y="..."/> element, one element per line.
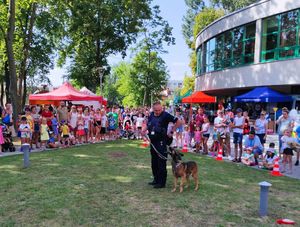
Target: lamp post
<point x="100" y="71"/>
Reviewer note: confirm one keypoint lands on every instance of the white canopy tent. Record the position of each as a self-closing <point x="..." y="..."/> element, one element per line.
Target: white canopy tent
<point x="86" y="91"/>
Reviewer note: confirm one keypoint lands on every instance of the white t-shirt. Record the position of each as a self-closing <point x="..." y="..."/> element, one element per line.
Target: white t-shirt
<point x="103" y="121"/>
<point x="139" y="122"/>
<point x="205" y="128"/>
<point x="238" y="121"/>
<point x="219" y="120"/>
<point x="286" y="140"/>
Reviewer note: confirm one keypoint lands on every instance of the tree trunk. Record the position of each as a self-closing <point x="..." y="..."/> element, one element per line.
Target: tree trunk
<point x="2" y="93"/>
<point x="7" y="83"/>
<point x="145" y="96"/>
<point x="15" y="98"/>
<point x="24" y="92"/>
<point x="26" y="49"/>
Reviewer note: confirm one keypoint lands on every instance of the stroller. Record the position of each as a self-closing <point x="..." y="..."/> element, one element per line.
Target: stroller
<point x="8" y="144"/>
<point x="128" y="132"/>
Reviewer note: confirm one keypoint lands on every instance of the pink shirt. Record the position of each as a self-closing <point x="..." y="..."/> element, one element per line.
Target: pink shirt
<point x="197" y="136"/>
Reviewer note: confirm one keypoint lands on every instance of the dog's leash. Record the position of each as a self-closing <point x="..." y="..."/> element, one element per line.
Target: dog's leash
<point x="157" y="152"/>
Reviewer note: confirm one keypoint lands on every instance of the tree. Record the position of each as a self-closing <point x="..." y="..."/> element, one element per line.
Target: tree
<point x="149" y="76"/>
<point x="97" y="29"/>
<point x="119" y="75"/>
<point x="188" y="84"/>
<point x="194" y="7"/>
<point x="155" y="33"/>
<point x="232" y="5"/>
<point x="206" y="17"/>
<point x="202" y="19"/>
<point x="26" y="28"/>
<point x="9" y="41"/>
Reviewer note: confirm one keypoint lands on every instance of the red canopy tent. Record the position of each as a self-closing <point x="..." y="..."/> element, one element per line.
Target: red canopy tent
<point x="65" y="92"/>
<point x="199" y="97"/>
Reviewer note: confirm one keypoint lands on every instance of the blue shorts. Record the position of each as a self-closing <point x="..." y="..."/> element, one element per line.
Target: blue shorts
<point x="257" y="151"/>
<point x="205" y="135"/>
<point x="179" y="130"/>
<point x="237" y="137"/>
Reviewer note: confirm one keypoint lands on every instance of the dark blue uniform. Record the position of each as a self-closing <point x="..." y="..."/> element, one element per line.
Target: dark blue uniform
<point x="157" y="128"/>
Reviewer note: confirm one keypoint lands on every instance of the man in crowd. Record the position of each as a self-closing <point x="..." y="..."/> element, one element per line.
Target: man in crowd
<point x="252" y="142"/>
<point x="62" y="112"/>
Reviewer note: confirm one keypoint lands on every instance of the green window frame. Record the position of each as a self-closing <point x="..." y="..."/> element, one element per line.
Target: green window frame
<point x="281" y="51"/>
<point x="230" y="49"/>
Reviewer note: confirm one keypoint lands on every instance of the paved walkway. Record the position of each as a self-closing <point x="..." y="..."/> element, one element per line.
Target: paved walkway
<point x="270" y="138"/>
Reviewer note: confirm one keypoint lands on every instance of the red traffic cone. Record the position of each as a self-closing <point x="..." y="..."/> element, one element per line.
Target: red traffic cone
<point x="285" y="222"/>
<point x="220" y="155"/>
<point x="145" y="143"/>
<point x="275" y="172"/>
<point x="185" y="148"/>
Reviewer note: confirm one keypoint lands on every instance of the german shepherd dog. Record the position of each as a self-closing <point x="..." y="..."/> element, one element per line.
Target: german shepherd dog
<point x="183" y="170"/>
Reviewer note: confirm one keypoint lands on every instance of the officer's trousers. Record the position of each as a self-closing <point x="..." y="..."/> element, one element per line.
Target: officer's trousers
<point x="159" y="165"/>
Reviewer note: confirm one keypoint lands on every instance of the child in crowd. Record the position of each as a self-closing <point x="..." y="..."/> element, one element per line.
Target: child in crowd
<point x="103" y="125"/>
<point x="215" y="145"/>
<point x="92" y="127"/>
<point x="192" y="131"/>
<point x="205" y="134"/>
<point x="186" y="136"/>
<point x="97" y="124"/>
<point x="80" y="129"/>
<point x="36" y="126"/>
<point x="269" y="159"/>
<point x="51" y="141"/>
<point x="198" y="139"/>
<point x="287" y="141"/>
<point x="71" y="139"/>
<point x="86" y="119"/>
<point x="25" y="131"/>
<point x="138" y="123"/>
<point x="44" y="129"/>
<point x="65" y="131"/>
<point x="2" y="141"/>
<point x="248" y="158"/>
<point x="111" y="126"/>
<point x="54" y="125"/>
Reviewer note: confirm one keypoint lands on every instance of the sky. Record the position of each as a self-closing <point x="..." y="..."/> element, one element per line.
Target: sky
<point x="177" y="58"/>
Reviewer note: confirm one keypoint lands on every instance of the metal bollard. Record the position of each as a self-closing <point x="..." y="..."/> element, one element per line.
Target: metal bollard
<point x="263" y="205"/>
<point x="25" y="148"/>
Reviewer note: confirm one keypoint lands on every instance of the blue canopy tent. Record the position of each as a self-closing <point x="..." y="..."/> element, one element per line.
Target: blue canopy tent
<point x="263" y="94"/>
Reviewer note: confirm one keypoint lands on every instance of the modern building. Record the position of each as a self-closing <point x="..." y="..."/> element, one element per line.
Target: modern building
<point x="256" y="46"/>
<point x="172" y="85"/>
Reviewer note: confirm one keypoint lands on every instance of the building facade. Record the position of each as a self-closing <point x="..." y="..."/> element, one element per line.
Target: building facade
<point x="255" y="46"/>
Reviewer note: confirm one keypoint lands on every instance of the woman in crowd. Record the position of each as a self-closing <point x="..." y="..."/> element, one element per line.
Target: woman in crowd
<point x="261" y="126"/>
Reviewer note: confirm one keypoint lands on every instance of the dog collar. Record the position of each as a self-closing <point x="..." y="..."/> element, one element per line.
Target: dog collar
<point x="178" y="164"/>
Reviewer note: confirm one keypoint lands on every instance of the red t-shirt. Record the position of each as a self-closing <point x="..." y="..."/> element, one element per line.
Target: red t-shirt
<point x="48" y="115"/>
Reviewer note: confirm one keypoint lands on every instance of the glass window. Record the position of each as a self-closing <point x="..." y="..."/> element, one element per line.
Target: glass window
<point x="271" y="24"/>
<point x="238" y="34"/>
<point x="249" y="59"/>
<point x="231" y="48"/>
<point x="286" y="53"/>
<point x="250" y="30"/>
<point x="288" y="38"/>
<point x="271" y="41"/>
<point x="249" y="46"/>
<point x="289" y="20"/>
<point x="199" y="61"/>
<point x="280" y="38"/>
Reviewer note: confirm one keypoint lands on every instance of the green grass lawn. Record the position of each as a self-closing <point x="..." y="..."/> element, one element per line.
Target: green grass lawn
<point x="106" y="185"/>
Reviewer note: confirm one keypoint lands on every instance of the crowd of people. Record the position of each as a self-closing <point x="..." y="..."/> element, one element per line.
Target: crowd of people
<point x="249" y="137"/>
<point x="66" y="125"/>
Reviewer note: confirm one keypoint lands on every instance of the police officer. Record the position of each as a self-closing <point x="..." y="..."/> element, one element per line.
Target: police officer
<point x="157" y="126"/>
